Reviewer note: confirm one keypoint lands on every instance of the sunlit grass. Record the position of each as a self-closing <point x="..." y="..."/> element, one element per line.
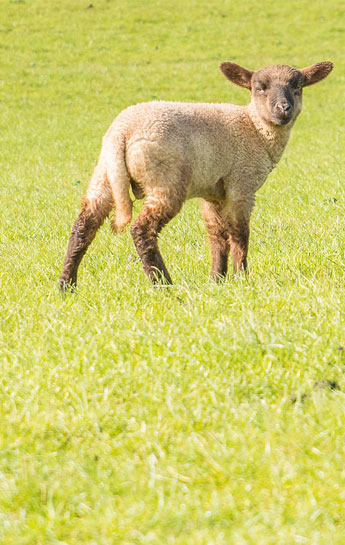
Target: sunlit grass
<point x="140" y="415"/>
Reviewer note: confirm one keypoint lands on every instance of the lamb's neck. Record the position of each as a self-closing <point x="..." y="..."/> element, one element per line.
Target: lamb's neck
<point x="275" y="137"/>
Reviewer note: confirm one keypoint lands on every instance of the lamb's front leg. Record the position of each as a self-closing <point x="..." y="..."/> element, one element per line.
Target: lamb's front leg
<point x="239" y="241"/>
<point x="219" y="234"/>
<point x="239" y="219"/>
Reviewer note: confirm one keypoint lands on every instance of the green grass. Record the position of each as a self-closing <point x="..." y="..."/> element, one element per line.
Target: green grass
<point x="135" y="415"/>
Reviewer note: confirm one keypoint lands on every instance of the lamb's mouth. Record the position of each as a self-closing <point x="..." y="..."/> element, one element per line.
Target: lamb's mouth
<point x="282" y="120"/>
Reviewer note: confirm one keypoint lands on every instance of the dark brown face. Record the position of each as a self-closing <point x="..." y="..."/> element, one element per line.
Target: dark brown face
<point x="277" y="93"/>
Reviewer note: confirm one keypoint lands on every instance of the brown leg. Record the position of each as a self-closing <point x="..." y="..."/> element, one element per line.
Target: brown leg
<point x="218" y="230"/>
<point x="96" y="207"/>
<point x="239" y="240"/>
<point x="154" y="215"/>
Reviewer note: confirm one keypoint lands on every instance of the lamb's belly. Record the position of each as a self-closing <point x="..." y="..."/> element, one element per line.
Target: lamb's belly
<point x="208" y="167"/>
<point x="207" y="190"/>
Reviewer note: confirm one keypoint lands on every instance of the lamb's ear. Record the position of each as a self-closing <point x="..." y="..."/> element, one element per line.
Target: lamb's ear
<point x="316" y="72"/>
<point x="237" y="74"/>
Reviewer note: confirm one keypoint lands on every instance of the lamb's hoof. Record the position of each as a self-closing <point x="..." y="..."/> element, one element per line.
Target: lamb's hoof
<point x="219" y="278"/>
<point x="325" y="384"/>
<point x="319" y="385"/>
<point x="160" y="281"/>
<point x="66" y="285"/>
<point x="295" y="397"/>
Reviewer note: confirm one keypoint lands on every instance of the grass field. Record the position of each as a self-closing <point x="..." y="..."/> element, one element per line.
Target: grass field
<point x="135" y="415"/>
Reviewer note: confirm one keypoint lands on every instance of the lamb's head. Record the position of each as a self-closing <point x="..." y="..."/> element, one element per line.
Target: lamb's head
<point x="277" y="89"/>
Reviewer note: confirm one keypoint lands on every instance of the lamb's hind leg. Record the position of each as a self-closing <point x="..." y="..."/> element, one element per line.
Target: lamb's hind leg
<point x="217" y="228"/>
<point x="155" y="214"/>
<point x="96" y="206"/>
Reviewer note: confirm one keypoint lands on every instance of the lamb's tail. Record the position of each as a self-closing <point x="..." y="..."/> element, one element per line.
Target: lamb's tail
<point x="113" y="155"/>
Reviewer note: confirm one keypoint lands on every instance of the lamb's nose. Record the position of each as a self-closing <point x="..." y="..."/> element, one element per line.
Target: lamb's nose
<point x="284" y="107"/>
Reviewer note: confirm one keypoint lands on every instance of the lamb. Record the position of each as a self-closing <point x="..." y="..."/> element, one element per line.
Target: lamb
<point x="168" y="152"/>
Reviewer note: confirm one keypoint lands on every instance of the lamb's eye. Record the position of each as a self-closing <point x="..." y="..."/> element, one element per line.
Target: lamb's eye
<point x="261" y="89"/>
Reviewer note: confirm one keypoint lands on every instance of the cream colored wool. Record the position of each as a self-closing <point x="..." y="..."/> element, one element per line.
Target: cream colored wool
<point x="172" y="149"/>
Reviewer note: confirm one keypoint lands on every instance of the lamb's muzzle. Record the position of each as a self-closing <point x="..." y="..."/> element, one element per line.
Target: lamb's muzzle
<point x="169" y="152"/>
